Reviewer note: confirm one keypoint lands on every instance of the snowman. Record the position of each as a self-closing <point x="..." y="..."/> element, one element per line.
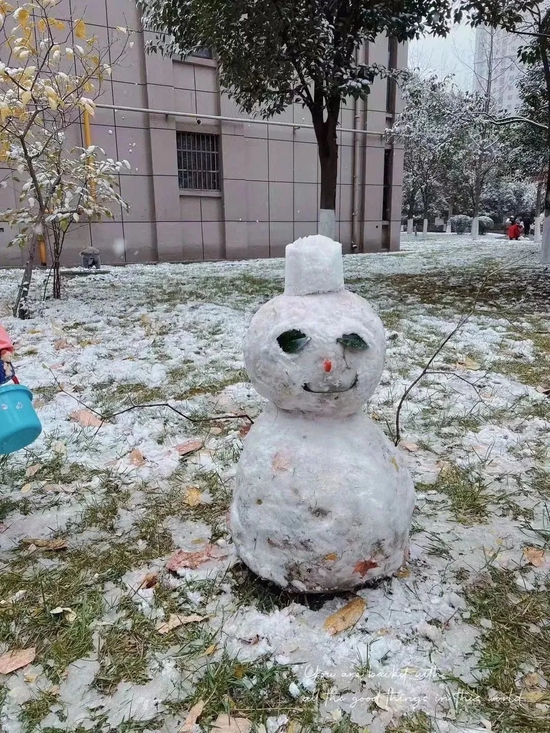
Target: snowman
<point x="323" y="501"/>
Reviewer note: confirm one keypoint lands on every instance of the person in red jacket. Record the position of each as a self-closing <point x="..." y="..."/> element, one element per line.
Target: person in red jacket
<point x="7" y="373"/>
<point x="514" y="232"/>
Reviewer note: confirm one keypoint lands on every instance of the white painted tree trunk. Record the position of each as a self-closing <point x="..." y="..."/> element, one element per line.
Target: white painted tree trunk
<point x="327" y="223"/>
<point x="538" y="220"/>
<point x="448" y="228"/>
<point x="425" y="227"/>
<point x="545" y="248"/>
<point x="475" y="227"/>
<point x="410" y="226"/>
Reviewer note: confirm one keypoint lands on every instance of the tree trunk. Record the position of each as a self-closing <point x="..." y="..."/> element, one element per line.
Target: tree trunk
<point x="475" y="220"/>
<point x="21" y="308"/>
<point x="425" y="226"/>
<point x="410" y="225"/>
<point x="56" y="264"/>
<point x="325" y="132"/>
<point x="538" y="217"/>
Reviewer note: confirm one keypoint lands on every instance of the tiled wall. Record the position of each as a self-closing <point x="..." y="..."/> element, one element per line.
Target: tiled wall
<point x="270" y="174"/>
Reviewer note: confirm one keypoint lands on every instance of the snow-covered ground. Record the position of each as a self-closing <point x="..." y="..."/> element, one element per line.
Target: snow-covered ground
<point x="93" y="513"/>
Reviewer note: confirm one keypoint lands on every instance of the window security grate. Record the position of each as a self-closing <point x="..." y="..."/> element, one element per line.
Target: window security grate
<point x="198" y="161"/>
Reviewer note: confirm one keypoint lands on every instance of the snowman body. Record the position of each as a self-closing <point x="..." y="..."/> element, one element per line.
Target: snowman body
<point x="323" y="501"/>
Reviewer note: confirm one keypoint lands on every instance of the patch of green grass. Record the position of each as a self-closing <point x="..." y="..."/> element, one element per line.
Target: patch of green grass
<point x="417" y="723"/>
<point x="125" y="652"/>
<point x="519" y="634"/>
<point x="535" y="372"/>
<point x="253" y="690"/>
<point x="541" y="483"/>
<point x="215" y="387"/>
<point x="34" y="711"/>
<point x="28" y="621"/>
<point x="468" y="498"/>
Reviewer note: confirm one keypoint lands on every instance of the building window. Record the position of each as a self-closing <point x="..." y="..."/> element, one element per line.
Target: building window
<point x="387" y="190"/>
<point x="198" y="161"/>
<point x="391" y="87"/>
<point x="203" y="53"/>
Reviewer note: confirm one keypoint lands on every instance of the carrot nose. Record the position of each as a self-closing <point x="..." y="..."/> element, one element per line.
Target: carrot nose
<point x="327" y="365"/>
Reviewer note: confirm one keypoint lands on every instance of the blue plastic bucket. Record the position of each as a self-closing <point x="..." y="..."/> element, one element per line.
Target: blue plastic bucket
<point x="19" y="423"/>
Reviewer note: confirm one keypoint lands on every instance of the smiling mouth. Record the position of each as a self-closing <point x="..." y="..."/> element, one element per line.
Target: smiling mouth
<point x="335" y="390"/>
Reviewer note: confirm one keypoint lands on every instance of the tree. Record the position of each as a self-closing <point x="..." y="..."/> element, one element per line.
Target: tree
<point x="430" y="127"/>
<point x="273" y="53"/>
<point x="531" y="21"/>
<point x="482" y="152"/>
<point x="47" y="85"/>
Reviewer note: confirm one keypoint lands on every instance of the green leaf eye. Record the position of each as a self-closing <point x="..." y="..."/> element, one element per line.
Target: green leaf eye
<point x="353" y="341"/>
<point x="291" y="342"/>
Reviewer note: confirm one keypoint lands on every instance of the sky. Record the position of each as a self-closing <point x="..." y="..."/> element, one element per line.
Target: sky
<point x="451" y="55"/>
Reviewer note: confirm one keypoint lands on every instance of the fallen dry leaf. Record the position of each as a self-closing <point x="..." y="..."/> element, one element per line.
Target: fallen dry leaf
<point x="33" y="470"/>
<point x="211" y="649"/>
<point x="331" y="557"/>
<point x="531" y="680"/>
<point x="136" y="457"/>
<point x="243" y="432"/>
<point x="86" y="418"/>
<point x="467" y="363"/>
<point x="62" y="344"/>
<point x="175" y="621"/>
<point x="543" y="390"/>
<point x="190" y="446"/>
<point x="347" y="616"/>
<point x="150" y="580"/>
<point x="533" y="695"/>
<point x="53" y="545"/>
<point x="410" y="446"/>
<point x="26" y="488"/>
<point x="16" y="659"/>
<point x="67" y="613"/>
<point x="227" y="724"/>
<point x="403" y="573"/>
<point x="193" y="560"/>
<point x="364" y="566"/>
<point x="192" y="717"/>
<point x="281" y="462"/>
<point x="394" y="463"/>
<point x="193" y="497"/>
<point x="534" y="556"/>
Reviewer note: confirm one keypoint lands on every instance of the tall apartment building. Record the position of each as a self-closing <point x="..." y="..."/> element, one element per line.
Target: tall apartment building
<point x="495" y="65"/>
<point x="206" y="189"/>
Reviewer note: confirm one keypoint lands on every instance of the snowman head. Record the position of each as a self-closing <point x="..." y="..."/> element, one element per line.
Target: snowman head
<point x="318" y="348"/>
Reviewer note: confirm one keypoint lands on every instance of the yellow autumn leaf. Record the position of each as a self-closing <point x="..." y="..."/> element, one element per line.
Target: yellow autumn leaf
<point x="26" y="97"/>
<point x="21" y="16"/>
<point x="331" y="557"/>
<point x="347" y="616"/>
<point x="42" y="25"/>
<point x="193" y="497"/>
<point x="533" y="695"/>
<point x="57" y="24"/>
<point x="210" y="650"/>
<point x="80" y="29"/>
<point x="175" y="621"/>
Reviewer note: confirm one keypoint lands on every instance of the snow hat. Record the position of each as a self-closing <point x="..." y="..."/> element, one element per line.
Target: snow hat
<point x="314" y="265"/>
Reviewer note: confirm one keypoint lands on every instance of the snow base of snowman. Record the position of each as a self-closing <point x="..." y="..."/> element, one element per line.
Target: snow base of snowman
<point x="323" y="501"/>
